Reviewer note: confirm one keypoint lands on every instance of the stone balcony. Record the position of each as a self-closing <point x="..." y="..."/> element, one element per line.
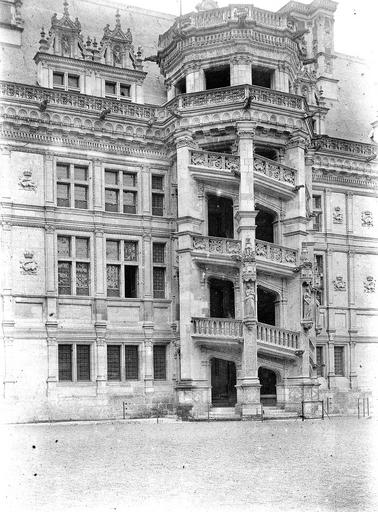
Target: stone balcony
<point x="273" y="258"/>
<point x="270" y="176"/>
<point x="270" y="339"/>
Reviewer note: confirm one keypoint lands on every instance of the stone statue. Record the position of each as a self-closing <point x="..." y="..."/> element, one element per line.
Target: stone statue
<point x="307" y="303"/>
<point x="249" y="299"/>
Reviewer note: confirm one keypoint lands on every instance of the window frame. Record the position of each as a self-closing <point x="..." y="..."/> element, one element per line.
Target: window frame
<point x="118" y="88"/>
<point x="161" y="265"/>
<point x="155" y="348"/>
<point x="321" y="275"/>
<point x="71" y="182"/>
<point x="66" y="76"/>
<point x="339" y="372"/>
<point x="317" y="213"/>
<point x="158" y="192"/>
<point x="121" y="262"/>
<point x="122" y="364"/>
<point x="74" y="363"/>
<point x="121" y="189"/>
<point x="73" y="259"/>
<point x="320" y="363"/>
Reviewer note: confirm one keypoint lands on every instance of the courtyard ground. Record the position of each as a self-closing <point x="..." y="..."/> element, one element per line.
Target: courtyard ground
<point x="234" y="466"/>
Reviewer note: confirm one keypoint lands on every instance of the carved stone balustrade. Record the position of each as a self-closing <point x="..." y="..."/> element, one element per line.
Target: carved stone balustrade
<point x="277" y="336"/>
<point x="276" y="253"/>
<point x="238" y="94"/>
<point x="223" y="251"/>
<point x="212" y="160"/>
<point x="275" y="170"/>
<point x="347" y="147"/>
<point x="217" y="327"/>
<point x="76" y="101"/>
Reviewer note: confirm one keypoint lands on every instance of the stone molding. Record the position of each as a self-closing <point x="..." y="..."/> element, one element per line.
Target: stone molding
<point x="349" y="179"/>
<point x="357" y="149"/>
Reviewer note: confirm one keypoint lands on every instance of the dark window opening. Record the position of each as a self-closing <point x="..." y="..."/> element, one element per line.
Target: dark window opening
<point x="73" y="82"/>
<point x="131" y="362"/>
<point x="339" y="360"/>
<point x="83" y="362"/>
<point x="223" y="382"/>
<point x="160" y="363"/>
<point x="262" y="77"/>
<point x="266" y="153"/>
<point x="58" y="79"/>
<point x="266" y="308"/>
<point x="264" y="226"/>
<point x="320" y="361"/>
<point x="220" y="217"/>
<point x="217" y="77"/>
<point x="131" y="273"/>
<point x="222" y="302"/>
<point x="181" y="86"/>
<point x="65" y="362"/>
<point x="221" y="147"/>
<point x="268" y="390"/>
<point x="159" y="282"/>
<point x="110" y="88"/>
<point x="114" y="362"/>
<point x="124" y="91"/>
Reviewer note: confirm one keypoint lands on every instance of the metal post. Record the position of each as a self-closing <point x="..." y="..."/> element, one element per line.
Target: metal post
<point x="322" y="409"/>
<point x="303" y="411"/>
<point x="358" y="407"/>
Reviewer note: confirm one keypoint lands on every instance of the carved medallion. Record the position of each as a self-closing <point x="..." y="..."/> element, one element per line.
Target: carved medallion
<point x="367" y="218"/>
<point x="28" y="265"/>
<point x="369" y="284"/>
<point x="339" y="284"/>
<point x="25" y="181"/>
<point x="337" y="215"/>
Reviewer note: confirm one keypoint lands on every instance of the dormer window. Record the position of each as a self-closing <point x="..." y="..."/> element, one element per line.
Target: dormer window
<point x="117" y="90"/>
<point x="66" y="81"/>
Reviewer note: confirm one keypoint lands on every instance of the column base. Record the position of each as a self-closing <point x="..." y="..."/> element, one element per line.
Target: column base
<point x="248" y="393"/>
<point x="149" y="385"/>
<point x="100" y="385"/>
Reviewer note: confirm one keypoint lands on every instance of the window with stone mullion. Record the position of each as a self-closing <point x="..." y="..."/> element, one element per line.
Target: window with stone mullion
<point x="73" y="265"/>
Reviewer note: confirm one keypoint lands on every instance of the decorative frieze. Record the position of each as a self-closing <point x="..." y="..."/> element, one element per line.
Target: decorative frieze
<point x="337" y="215"/>
<point x="339" y="284"/>
<point x="343" y="178"/>
<point x="357" y="149"/>
<point x="26" y="182"/>
<point x="369" y="284"/>
<point x="28" y="264"/>
<point x="274" y="170"/>
<point x="220" y="246"/>
<point x="367" y="219"/>
<point x="275" y="253"/>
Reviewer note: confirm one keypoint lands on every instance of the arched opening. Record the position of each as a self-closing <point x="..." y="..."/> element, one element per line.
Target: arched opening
<point x="266" y="306"/>
<point x="264" y="225"/>
<point x="268" y="382"/>
<point x="222" y="301"/>
<point x="223" y="382"/>
<point x="266" y="152"/>
<point x="220" y="216"/>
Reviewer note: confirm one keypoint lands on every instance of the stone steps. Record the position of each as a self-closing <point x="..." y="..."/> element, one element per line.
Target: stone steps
<point x="223" y="413"/>
<point x="276" y="413"/>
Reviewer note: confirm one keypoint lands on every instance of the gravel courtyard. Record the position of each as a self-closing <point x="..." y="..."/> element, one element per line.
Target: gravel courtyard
<point x="234" y="466"/>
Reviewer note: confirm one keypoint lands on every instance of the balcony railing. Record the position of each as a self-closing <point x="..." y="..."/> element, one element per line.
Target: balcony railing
<point x="277" y="336"/>
<point x="348" y="147"/>
<point x="212" y="160"/>
<point x="217" y="246"/>
<point x="217" y="327"/>
<point x="76" y="100"/>
<point x="237" y="94"/>
<point x="276" y="253"/>
<point x="274" y="170"/>
<point x="231" y="328"/>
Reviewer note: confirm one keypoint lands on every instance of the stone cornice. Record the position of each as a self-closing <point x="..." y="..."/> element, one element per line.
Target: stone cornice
<point x="345" y="179"/>
<point x="352" y="149"/>
<point x="89" y="65"/>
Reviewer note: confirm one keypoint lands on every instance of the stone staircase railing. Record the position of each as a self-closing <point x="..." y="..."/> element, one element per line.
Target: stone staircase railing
<point x="217" y="246"/>
<point x="274" y="170"/>
<point x="217" y="327"/>
<point x="276" y="253"/>
<point x="277" y="336"/>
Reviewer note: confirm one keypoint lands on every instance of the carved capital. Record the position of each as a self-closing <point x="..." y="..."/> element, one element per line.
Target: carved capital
<point x="51" y="341"/>
<point x="49" y="228"/>
<point x="246" y="129"/>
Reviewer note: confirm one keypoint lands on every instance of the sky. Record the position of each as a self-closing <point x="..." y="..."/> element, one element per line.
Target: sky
<point x="355" y="20"/>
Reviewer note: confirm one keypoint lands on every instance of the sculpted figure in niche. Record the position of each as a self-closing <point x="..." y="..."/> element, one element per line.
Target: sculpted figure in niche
<point x="249" y="299"/>
<point x="307" y="303"/>
<point x="116" y="55"/>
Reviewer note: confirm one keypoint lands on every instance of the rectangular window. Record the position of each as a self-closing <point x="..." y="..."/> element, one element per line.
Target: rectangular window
<point x="131" y="362"/>
<point x="70" y="353"/>
<point x="73" y="265"/>
<point x="124" y="91"/>
<point x="160" y="363"/>
<point x="120" y="275"/>
<point x="120" y="191"/>
<point x="65" y="362"/>
<point x="73" y="82"/>
<point x="157" y="185"/>
<point x="320" y="361"/>
<point x="66" y="81"/>
<point x="158" y="253"/>
<point x="263" y="77"/>
<point x="317" y="212"/>
<point x="58" y="79"/>
<point x="72" y="178"/>
<point x="159" y="282"/>
<point x="110" y="88"/>
<point x="339" y="360"/>
<point x="114" y="362"/>
<point x="319" y="277"/>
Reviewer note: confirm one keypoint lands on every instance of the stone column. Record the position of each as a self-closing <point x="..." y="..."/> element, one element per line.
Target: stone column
<point x="170" y="90"/>
<point x="98" y="185"/>
<point x="51" y="263"/>
<point x="331" y="359"/>
<point x="147" y="278"/>
<point x="99" y="273"/>
<point x="146" y="191"/>
<point x="248" y="389"/>
<point x="10" y="380"/>
<point x="139" y="92"/>
<point x="352" y="359"/>
<point x="195" y="79"/>
<point x="281" y="78"/>
<point x="241" y="71"/>
<point x="101" y="358"/>
<point x="148" y="358"/>
<point x="7" y="277"/>
<point x="49" y="180"/>
<point x="52" y="357"/>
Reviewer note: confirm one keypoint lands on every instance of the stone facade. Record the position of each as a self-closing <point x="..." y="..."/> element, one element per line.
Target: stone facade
<point x="193" y="235"/>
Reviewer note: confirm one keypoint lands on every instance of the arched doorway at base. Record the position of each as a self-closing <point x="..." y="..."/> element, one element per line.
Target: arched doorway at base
<point x="223" y="381"/>
<point x="268" y="382"/>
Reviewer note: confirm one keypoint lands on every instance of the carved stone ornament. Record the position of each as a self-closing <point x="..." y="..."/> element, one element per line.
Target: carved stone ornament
<point x="248" y="263"/>
<point x="337" y="215"/>
<point x="308" y="304"/>
<point x="249" y="303"/>
<point x="369" y="284"/>
<point x="25" y="181"/>
<point x="339" y="284"/>
<point x="367" y="219"/>
<point x="28" y="265"/>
